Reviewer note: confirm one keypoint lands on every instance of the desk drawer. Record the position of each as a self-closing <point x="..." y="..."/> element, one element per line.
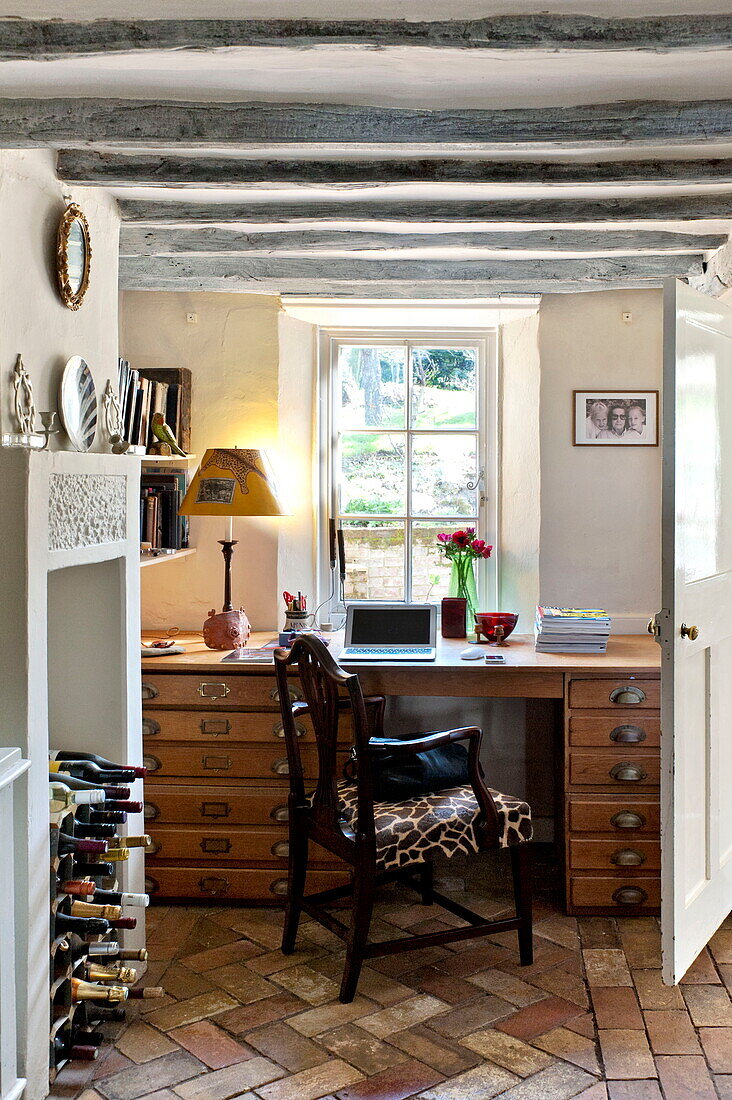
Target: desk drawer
<point x="619" y="816"/>
<point x="204" y="691"/>
<point x="627" y="894"/>
<point x="636" y="854"/>
<point x="196" y="844"/>
<point x="215" y="728"/>
<point x="608" y="694"/>
<point x="186" y="805"/>
<point x="605" y="731"/>
<point x="228" y="761"/>
<point x="618" y="768"/>
<point x="242" y="883"/>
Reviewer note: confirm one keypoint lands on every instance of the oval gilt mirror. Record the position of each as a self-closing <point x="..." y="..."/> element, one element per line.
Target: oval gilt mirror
<point x="73" y="256"/>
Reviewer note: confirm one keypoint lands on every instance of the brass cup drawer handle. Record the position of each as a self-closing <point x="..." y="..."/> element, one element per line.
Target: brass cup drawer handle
<point x="216" y="763"/>
<point x="213" y="885"/>
<point x="153" y="848"/>
<point x="215" y="809"/>
<point x="281" y="766"/>
<point x="151" y="811"/>
<point x="149" y="691"/>
<point x="626" y="819"/>
<point x="630" y="895"/>
<point x="281" y="849"/>
<point x="215" y="844"/>
<point x="150" y="728"/>
<point x="152" y="763"/>
<point x="628" y="735"/>
<point x="151" y="885"/>
<point x="215" y="727"/>
<point x="280" y="813"/>
<point x="213" y="691"/>
<point x="627" y="857"/>
<point x="279" y="887"/>
<point x="627" y="772"/>
<point x="293" y="693"/>
<point x="279" y="731"/>
<point x="629" y="696"/>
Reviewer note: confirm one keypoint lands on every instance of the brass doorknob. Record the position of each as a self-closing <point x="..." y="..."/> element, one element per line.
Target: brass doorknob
<point x="690" y="632"/>
<point x="653" y="627"/>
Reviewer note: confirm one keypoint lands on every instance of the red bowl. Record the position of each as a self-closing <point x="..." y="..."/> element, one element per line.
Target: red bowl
<point x="487" y="621"/>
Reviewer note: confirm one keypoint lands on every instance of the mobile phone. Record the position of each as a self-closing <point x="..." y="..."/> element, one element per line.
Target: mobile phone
<point x="495" y="659"/>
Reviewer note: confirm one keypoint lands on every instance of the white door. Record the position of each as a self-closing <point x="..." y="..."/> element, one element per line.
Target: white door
<point x="696" y="706"/>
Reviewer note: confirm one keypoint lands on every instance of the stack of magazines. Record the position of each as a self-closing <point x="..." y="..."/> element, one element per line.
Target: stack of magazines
<point x="571" y="630"/>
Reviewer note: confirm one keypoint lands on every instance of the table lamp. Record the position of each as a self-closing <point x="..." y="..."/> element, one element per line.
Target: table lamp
<point x="230" y="482"/>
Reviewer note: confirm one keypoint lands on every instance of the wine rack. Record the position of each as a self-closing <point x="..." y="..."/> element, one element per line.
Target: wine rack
<point x="75" y="1013"/>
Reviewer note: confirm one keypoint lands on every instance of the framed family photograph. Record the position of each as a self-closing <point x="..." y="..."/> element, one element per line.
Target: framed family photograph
<point x="628" y="418"/>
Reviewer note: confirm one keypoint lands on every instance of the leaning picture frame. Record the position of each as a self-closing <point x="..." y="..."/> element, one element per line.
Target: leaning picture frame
<point x="624" y="418"/>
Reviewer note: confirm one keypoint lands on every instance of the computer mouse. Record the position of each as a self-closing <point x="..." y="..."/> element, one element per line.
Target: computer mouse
<point x="472" y="653"/>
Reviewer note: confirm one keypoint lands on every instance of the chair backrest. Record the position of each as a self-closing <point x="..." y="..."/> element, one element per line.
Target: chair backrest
<point x="331" y="695"/>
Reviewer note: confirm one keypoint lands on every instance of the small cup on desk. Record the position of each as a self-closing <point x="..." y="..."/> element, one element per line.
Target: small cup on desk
<point x="494" y="626"/>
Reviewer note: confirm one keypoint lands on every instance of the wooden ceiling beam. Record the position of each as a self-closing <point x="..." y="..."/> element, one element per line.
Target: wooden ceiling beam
<point x="716" y="277"/>
<point x="89" y="167"/>
<point x="79" y="122"/>
<point x="162" y="240"/>
<point x="49" y="39"/>
<point x="485" y="211"/>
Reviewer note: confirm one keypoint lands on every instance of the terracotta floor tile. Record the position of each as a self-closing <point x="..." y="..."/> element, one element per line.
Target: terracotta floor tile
<point x="670" y="1031"/>
<point x="469" y="1017"/>
<point x="307" y="984"/>
<point x="381" y="988"/>
<point x="446" y="987"/>
<point x="720" y="946"/>
<point x="633" y="1090"/>
<point x="284" y="1045"/>
<point x="606" y="966"/>
<point x="397" y="1083"/>
<point x="237" y="951"/>
<point x="312" y="1083"/>
<point x="558" y="1082"/>
<point x="537" y="1018"/>
<point x="709" y="1005"/>
<point x="616" y="1006"/>
<point x="415" y="1010"/>
<point x="562" y="983"/>
<point x="571" y="1047"/>
<point x="685" y="1078"/>
<point x="481" y="1083"/>
<point x="505" y="1050"/>
<point x="474" y="959"/>
<point x="211" y="1044"/>
<point x="221" y="1084"/>
<point x="723" y="1085"/>
<point x="508" y="987"/>
<point x="559" y="929"/>
<point x="701" y="971"/>
<point x="264" y="930"/>
<point x="583" y="1025"/>
<point x="424" y="1045"/>
<point x="598" y="932"/>
<point x="405" y="962"/>
<point x="246" y="1017"/>
<point x="317" y="1020"/>
<point x="112" y="1062"/>
<point x="187" y="1012"/>
<point x="182" y="983"/>
<point x="142" y="1043"/>
<point x="626" y="1054"/>
<point x="717" y="1044"/>
<point x="238" y="980"/>
<point x="594" y="1092"/>
<point x="725" y="969"/>
<point x="272" y="961"/>
<point x="360" y="1049"/>
<point x="162" y="1073"/>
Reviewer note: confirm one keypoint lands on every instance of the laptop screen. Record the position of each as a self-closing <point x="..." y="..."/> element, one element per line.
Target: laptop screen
<point x="391" y="626"/>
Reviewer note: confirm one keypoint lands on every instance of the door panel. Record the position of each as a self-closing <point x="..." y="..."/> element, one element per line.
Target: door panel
<point x="696" y="703"/>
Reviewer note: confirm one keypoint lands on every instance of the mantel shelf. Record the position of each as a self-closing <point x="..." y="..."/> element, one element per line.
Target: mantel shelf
<point x="150" y="559"/>
<point x="167" y="460"/>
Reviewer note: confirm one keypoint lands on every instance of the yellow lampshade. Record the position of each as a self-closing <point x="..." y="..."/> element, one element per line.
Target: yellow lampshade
<point x="234" y="482"/>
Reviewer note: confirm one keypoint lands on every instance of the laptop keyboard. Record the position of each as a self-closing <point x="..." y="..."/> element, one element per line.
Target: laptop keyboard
<point x="389" y="650"/>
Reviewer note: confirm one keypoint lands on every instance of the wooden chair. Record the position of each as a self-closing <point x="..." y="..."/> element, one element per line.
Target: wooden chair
<point x="382" y="841"/>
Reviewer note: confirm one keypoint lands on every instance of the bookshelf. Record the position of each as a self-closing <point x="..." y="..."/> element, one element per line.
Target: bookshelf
<point x="158" y="559"/>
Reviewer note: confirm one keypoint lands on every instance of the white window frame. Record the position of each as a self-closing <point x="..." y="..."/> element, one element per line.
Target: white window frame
<point x="486" y="340"/>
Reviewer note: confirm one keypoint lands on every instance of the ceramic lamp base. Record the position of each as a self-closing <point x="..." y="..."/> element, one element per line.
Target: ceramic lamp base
<point x="226" y="629"/>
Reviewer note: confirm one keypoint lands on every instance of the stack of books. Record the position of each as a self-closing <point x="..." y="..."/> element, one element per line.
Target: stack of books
<point x="145" y="392"/>
<point x="571" y="630"/>
<point x="161" y="494"/>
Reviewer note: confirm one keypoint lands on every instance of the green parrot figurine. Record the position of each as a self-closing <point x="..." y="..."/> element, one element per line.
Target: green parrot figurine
<point x="162" y="432"/>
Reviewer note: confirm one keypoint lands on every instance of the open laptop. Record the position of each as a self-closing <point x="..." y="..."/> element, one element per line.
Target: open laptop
<point x="390" y="632"/>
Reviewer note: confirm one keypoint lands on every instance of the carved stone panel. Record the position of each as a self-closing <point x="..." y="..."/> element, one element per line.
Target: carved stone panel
<point x="86" y="510"/>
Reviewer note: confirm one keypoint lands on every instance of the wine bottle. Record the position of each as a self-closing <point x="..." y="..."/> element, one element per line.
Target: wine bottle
<point x="124" y="922"/>
<point x="96" y="831"/>
<point x="59" y="792"/>
<point x="66" y="1047"/>
<point x="82" y="785"/>
<point x="109" y="950"/>
<point x="100" y="761"/>
<point x="125" y="975"/>
<point x="90" y="991"/>
<point x="146" y="992"/>
<point x="143" y="841"/>
<point x="67" y="843"/>
<point x="89" y="909"/>
<point x="117" y="855"/>
<point x="93" y="870"/>
<point x="115" y="897"/>
<point x="86" y="769"/>
<point x="83" y="926"/>
<point x="129" y="807"/>
<point x="78" y="888"/>
<point x="102" y="816"/>
<point x="100" y="1013"/>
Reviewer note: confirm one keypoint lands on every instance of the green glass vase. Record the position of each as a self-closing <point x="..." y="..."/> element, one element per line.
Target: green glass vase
<point x="462" y="584"/>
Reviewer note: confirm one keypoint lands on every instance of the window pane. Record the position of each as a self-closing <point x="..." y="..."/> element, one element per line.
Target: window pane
<point x="442" y="466"/>
<point x="430" y="569"/>
<point x="372" y="386"/>
<point x="373" y="473"/>
<point x="374" y="560"/>
<point x="444" y="384"/>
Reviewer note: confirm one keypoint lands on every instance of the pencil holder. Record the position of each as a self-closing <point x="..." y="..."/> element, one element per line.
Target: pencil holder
<point x="296" y="620"/>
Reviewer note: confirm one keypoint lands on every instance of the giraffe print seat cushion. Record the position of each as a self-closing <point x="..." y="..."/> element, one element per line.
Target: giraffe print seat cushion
<point x="410" y="831"/>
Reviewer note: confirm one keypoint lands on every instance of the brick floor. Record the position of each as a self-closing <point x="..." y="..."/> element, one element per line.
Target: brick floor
<point x="591" y="1019"/>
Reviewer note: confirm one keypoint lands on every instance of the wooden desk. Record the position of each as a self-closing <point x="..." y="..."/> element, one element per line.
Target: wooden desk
<point x="216" y="797"/>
